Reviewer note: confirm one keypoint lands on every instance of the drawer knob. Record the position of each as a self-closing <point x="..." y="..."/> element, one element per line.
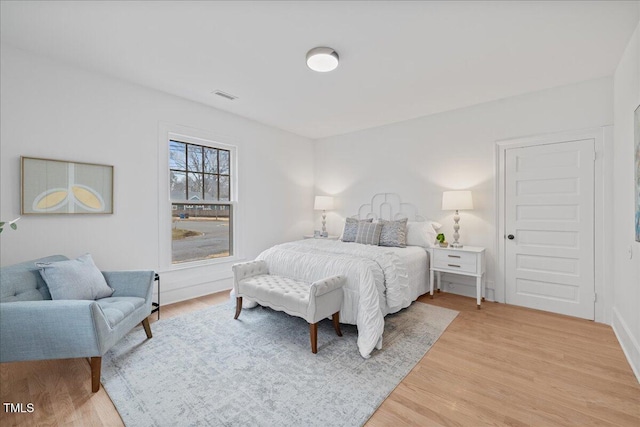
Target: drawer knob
<point x="453" y="256"/>
<point x="510" y="237"/>
<point x="453" y="265"/>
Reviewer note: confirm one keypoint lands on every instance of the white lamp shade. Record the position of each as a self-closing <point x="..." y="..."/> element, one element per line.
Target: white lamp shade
<point x="323" y="203"/>
<point x="456" y="200"/>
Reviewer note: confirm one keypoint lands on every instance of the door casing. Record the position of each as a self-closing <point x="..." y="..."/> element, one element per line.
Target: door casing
<point x="603" y="210"/>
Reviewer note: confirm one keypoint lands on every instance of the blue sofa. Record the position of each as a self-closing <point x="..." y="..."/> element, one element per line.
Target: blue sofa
<point x="35" y="327"/>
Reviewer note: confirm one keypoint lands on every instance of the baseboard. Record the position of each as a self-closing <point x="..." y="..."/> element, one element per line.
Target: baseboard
<point x="466" y="289"/>
<point x="627" y="341"/>
<point x="186" y="293"/>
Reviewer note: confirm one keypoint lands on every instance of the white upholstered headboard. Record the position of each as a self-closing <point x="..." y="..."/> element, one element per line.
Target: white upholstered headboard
<point x="388" y="206"/>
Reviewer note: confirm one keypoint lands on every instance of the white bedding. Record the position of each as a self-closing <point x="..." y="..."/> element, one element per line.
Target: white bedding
<point x="380" y="280"/>
<point x="417" y="264"/>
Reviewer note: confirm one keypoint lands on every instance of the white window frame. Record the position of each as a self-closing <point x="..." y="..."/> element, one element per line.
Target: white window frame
<point x="168" y="132"/>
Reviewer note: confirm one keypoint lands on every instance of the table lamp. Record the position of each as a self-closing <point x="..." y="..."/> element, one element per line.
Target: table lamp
<point x="323" y="203"/>
<point x="455" y="201"/>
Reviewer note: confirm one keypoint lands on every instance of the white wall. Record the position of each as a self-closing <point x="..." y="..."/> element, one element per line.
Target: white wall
<point x="626" y="306"/>
<point x="54" y="111"/>
<point x="422" y="157"/>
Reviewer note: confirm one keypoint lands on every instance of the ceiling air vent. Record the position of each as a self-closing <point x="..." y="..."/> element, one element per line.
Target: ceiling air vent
<point x="224" y="95"/>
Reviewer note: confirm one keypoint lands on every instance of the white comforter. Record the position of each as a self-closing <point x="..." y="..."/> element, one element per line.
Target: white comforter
<point x="377" y="281"/>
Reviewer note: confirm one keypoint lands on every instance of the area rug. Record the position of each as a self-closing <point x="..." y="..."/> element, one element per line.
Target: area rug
<point x="204" y="368"/>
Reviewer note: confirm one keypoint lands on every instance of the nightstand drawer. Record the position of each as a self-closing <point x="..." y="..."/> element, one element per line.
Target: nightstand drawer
<point x="455" y="260"/>
<point x="465" y="261"/>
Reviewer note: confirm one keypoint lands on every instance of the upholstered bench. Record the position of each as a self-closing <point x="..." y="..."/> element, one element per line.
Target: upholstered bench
<point x="310" y="301"/>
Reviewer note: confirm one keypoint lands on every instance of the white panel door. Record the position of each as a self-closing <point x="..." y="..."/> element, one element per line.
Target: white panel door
<point x="549" y="219"/>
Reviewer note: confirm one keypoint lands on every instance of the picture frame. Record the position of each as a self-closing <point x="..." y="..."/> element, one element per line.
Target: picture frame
<point x="53" y="187"/>
<point x="636" y="125"/>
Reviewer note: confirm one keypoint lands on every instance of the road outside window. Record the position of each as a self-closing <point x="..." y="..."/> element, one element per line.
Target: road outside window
<point x="202" y="213"/>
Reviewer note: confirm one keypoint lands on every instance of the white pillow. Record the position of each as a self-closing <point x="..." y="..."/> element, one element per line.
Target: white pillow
<point x="422" y="233"/>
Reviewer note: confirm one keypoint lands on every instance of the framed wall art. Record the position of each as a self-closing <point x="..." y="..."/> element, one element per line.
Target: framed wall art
<point x="64" y="187"/>
<point x="636" y="125"/>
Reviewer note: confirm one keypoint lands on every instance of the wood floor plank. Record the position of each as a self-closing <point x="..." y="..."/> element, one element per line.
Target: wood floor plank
<point x="499" y="366"/>
<point x="498" y="358"/>
<point x="581" y="404"/>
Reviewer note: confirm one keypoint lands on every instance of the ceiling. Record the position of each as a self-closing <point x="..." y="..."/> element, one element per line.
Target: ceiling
<point x="398" y="60"/>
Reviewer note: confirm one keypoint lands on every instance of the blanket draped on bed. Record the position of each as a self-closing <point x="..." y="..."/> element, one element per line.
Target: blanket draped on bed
<point x="376" y="284"/>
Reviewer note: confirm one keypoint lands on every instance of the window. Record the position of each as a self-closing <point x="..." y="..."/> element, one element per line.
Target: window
<point x="201" y="202"/>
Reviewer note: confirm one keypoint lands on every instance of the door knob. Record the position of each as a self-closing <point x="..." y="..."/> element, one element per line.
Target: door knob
<point x="510" y="237"/>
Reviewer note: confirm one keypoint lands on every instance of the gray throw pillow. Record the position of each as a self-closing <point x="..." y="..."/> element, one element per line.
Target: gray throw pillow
<point x="351" y="228"/>
<point x="76" y="279"/>
<point x="368" y="233"/>
<point x="394" y="233"/>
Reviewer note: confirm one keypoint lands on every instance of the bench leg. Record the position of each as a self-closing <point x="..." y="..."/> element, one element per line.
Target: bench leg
<point x="147" y="328"/>
<point x="336" y="323"/>
<point x="238" y="307"/>
<point x="313" y="334"/>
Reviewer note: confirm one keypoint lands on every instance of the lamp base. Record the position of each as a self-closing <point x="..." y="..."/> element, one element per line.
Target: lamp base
<point x="456" y="227"/>
<point x="324" y="225"/>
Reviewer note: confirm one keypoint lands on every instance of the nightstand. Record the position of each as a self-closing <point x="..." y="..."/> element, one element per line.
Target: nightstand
<point x="311" y="236"/>
<point x="466" y="261"/>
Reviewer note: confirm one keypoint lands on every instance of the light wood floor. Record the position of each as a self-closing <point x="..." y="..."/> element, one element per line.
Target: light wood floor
<point x="502" y="365"/>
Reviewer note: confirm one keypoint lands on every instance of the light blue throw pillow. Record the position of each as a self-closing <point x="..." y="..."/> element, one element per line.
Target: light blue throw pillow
<point x="369" y="233"/>
<point x="351" y="228"/>
<point x="76" y="279"/>
<point x="394" y="233"/>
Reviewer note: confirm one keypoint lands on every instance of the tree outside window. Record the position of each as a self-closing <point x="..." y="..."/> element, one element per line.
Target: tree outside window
<point x="202" y="214"/>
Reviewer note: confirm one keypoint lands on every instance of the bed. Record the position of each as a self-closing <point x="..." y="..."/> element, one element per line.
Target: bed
<point x="380" y="279"/>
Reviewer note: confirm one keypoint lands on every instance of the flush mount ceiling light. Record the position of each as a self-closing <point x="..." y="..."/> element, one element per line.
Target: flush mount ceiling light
<point x="322" y="59"/>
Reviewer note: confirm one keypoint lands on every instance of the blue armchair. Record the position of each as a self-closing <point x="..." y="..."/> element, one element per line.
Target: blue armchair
<point x="35" y="327"/>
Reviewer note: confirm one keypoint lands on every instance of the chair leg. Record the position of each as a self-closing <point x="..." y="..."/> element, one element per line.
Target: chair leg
<point x="147" y="327"/>
<point x="238" y="307"/>
<point x="336" y="323"/>
<point x="313" y="334"/>
<point x="96" y="364"/>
